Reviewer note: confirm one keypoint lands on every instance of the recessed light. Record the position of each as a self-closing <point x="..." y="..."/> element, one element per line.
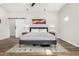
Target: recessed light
<point x="44" y="9"/>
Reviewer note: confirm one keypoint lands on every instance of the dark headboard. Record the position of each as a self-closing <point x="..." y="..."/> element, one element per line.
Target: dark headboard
<point x="38" y="28"/>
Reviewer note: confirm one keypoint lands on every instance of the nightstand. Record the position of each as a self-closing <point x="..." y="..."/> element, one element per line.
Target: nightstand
<point x="52" y="33"/>
<point x="25" y="33"/>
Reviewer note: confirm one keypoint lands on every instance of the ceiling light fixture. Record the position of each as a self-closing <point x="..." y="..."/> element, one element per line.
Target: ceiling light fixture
<point x="32" y="4"/>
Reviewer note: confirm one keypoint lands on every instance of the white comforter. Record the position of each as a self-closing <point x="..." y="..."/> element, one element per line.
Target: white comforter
<point x="38" y="36"/>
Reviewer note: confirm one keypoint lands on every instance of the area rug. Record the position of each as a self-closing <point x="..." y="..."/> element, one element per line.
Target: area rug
<point x="31" y="48"/>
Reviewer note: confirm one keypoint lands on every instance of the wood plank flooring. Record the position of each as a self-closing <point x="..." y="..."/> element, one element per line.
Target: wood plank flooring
<point x="10" y="42"/>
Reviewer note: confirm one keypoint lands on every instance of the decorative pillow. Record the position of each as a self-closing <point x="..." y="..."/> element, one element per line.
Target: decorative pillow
<point x="42" y="30"/>
<point x="35" y="30"/>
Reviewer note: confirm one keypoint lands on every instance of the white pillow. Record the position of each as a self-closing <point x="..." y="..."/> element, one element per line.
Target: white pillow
<point x="35" y="30"/>
<point x="43" y="30"/>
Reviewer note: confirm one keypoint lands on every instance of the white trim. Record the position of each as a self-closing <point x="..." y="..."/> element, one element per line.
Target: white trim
<point x="4" y="38"/>
<point x="67" y="41"/>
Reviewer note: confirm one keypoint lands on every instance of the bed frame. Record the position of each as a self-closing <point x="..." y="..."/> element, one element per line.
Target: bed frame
<point x="38" y="28"/>
<point x="38" y="42"/>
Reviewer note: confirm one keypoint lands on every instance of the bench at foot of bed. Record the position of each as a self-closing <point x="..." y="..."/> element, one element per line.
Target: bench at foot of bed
<point x="42" y="45"/>
<point x="34" y="44"/>
<point x="45" y="45"/>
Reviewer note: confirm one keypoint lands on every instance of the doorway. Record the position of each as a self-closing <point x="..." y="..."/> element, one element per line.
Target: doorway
<point x="12" y="27"/>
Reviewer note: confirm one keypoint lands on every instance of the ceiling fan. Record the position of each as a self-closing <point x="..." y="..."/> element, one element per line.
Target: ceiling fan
<point x="32" y="4"/>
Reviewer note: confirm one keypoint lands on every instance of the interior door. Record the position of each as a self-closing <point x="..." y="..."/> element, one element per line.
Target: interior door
<point x="19" y="27"/>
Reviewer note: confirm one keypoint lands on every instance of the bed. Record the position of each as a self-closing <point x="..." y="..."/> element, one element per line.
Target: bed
<point x="38" y="36"/>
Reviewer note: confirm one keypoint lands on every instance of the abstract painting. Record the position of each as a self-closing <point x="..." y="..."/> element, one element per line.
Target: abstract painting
<point x="38" y="21"/>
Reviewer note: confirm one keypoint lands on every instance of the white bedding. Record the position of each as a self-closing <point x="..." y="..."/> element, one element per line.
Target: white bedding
<point x="38" y="36"/>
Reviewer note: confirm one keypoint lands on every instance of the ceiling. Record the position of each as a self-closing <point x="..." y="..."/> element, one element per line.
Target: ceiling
<point x="26" y="7"/>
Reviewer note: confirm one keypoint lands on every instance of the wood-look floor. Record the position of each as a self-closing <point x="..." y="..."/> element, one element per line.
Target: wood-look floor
<point x="10" y="42"/>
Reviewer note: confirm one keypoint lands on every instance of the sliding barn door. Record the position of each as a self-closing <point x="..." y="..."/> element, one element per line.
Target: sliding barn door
<point x="19" y="27"/>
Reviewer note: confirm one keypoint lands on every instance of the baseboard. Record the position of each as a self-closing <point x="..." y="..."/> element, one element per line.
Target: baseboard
<point x="68" y="42"/>
<point x="4" y="38"/>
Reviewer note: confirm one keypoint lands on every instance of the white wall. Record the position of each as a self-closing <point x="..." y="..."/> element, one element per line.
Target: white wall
<point x="51" y="18"/>
<point x="69" y="30"/>
<point x="4" y="25"/>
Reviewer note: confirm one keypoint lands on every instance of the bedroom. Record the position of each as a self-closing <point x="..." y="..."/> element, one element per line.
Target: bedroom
<point x="39" y="29"/>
